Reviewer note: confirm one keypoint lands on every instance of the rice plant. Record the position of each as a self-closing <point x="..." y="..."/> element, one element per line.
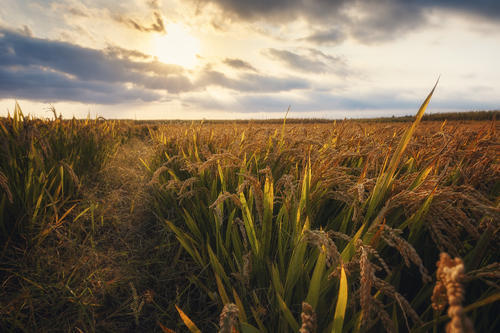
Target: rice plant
<point x="42" y="164"/>
<point x="298" y="225"/>
<point x="336" y="227"/>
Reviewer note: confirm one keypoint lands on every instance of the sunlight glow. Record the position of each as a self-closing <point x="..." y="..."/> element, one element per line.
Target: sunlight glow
<point x="177" y="46"/>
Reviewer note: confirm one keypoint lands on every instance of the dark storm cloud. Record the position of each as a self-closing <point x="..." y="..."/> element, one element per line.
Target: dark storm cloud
<point x="41" y="69"/>
<point x="365" y="20"/>
<point x="239" y="64"/>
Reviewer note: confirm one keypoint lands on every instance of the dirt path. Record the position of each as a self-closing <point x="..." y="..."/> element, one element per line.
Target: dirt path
<point x="122" y="185"/>
<point x="111" y="267"/>
<point x="126" y="239"/>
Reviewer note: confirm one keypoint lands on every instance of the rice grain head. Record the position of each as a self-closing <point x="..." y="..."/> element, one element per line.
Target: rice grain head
<point x="228" y="318"/>
<point x="449" y="288"/>
<point x="308" y="316"/>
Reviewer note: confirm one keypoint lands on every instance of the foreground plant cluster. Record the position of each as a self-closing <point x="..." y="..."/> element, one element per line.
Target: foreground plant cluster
<point x="314" y="227"/>
<point x="333" y="227"/>
<point x="42" y="163"/>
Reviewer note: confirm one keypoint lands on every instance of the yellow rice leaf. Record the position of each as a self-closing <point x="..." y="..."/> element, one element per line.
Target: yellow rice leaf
<point x="190" y="325"/>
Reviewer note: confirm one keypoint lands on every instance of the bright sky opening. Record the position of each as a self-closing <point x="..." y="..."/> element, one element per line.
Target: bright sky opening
<point x="176" y="46"/>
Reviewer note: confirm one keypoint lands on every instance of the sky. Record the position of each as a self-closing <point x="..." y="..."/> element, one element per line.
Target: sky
<point x="233" y="59"/>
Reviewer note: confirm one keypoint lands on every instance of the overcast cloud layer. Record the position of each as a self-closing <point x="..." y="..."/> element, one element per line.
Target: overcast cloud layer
<point x="254" y="57"/>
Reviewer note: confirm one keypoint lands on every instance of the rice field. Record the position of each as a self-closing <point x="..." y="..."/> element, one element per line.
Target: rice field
<point x="341" y="226"/>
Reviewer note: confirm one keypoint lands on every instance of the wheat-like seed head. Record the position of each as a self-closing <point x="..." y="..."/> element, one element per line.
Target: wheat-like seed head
<point x="228" y="318"/>
<point x="324" y="243"/>
<point x="308" y="316"/>
<point x="367" y="279"/>
<point x="449" y="288"/>
<point x="392" y="238"/>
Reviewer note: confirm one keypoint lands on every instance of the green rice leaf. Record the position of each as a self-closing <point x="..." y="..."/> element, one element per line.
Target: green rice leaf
<point x="338" y="320"/>
<point x="247" y="328"/>
<point x="317" y="277"/>
<point x="287" y="314"/>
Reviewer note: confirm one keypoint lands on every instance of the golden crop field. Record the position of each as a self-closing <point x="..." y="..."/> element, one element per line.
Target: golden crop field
<point x="341" y="226"/>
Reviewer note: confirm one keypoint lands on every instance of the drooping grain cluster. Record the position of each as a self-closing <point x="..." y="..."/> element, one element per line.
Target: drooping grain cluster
<point x="311" y="227"/>
<point x="449" y="290"/>
<point x="277" y="212"/>
<point x="228" y="318"/>
<point x="308" y="317"/>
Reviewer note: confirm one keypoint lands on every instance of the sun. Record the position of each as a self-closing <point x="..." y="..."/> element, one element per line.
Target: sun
<point x="177" y="46"/>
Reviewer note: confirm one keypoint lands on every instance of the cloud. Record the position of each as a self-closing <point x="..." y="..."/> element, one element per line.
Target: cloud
<point x="254" y="10"/>
<point x="26" y="31"/>
<point x="365" y="20"/>
<point x="327" y="37"/>
<point x="41" y="69"/>
<point x="296" y="61"/>
<point x="310" y="60"/>
<point x="156" y="26"/>
<point x="385" y="20"/>
<point x="309" y="102"/>
<point x="239" y="64"/>
<point x="118" y="52"/>
<point x="280" y="9"/>
<point x="93" y="9"/>
<point x="483" y="8"/>
<point x="47" y="86"/>
<point x="250" y="82"/>
<point x="77" y="12"/>
<point x="84" y="63"/>
<point x="154" y="4"/>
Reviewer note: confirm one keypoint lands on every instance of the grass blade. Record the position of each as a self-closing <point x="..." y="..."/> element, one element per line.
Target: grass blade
<point x="190" y="325"/>
<point x="338" y="320"/>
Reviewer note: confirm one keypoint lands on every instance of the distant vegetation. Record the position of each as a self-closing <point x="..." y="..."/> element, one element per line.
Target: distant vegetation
<point x="250" y="226"/>
<point x="462" y="116"/>
<point x="469" y="115"/>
